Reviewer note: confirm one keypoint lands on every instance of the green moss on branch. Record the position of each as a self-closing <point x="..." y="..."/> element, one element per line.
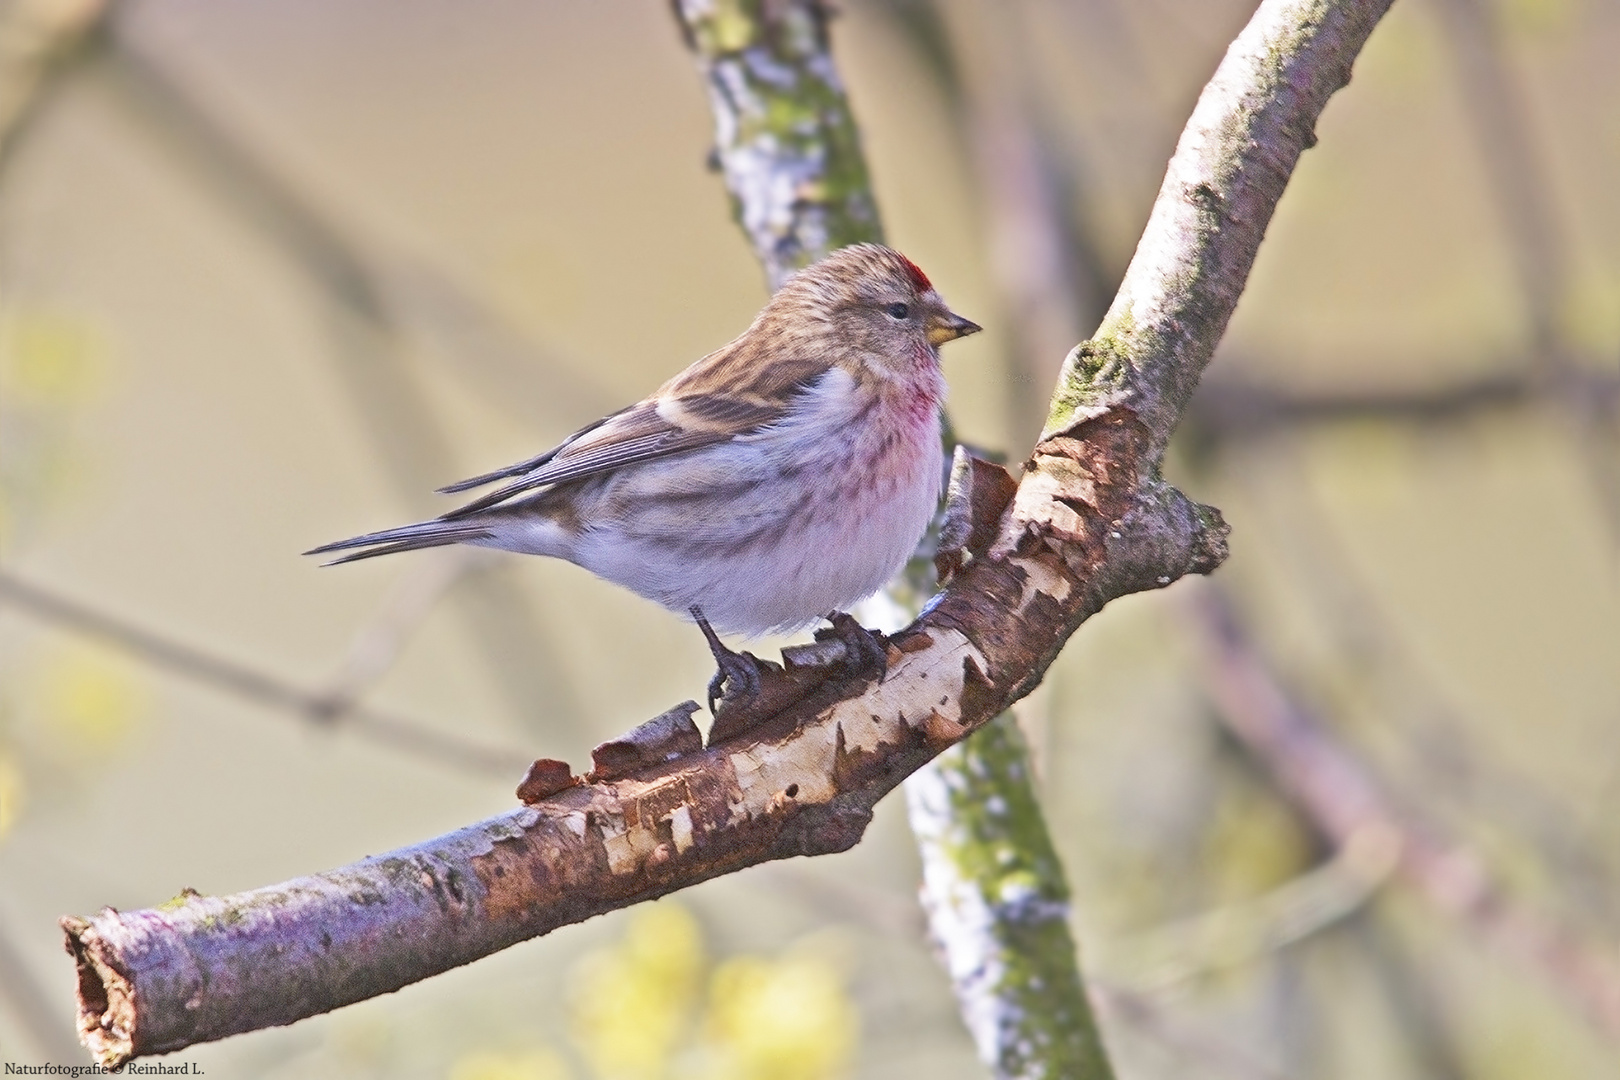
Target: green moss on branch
<point x="785" y="138"/>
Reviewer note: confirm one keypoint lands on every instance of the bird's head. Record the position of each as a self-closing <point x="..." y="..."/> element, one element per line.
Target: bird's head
<point x="871" y="302"/>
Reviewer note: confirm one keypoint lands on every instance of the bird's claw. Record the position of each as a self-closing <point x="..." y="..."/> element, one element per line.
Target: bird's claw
<point x="738" y="674"/>
<point x="737" y="678"/>
<point x="866" y="652"/>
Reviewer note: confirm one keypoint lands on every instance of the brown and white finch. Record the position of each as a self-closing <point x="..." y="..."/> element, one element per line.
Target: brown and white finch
<point x="784" y="476"/>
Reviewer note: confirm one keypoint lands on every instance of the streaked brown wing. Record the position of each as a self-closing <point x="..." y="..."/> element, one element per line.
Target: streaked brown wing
<point x="729" y="393"/>
<point x="768" y="371"/>
<point x="638" y="434"/>
<point x="530" y="463"/>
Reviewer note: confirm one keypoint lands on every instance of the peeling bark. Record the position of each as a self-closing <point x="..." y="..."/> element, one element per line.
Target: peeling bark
<point x="800" y="782"/>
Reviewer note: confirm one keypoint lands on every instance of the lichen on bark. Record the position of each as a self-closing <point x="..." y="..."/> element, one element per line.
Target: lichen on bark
<point x="785" y="138"/>
<point x="998" y="907"/>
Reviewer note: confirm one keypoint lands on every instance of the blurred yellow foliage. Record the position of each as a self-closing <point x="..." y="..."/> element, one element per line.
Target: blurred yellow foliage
<point x="50" y="366"/>
<point x="636" y="1004"/>
<point x="48" y="358"/>
<point x="633" y="1002"/>
<point x="782" y="1019"/>
<point x="1537" y="16"/>
<point x="1591" y="310"/>
<point x="1254" y="844"/>
<point x="88" y="698"/>
<point x="11" y="793"/>
<point x="538" y="1064"/>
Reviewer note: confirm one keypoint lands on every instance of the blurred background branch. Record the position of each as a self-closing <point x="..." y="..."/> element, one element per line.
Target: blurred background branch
<point x="407" y="438"/>
<point x="368" y="291"/>
<point x="38" y="38"/>
<point x="1514" y="157"/>
<point x="1335" y="791"/>
<point x="326" y="708"/>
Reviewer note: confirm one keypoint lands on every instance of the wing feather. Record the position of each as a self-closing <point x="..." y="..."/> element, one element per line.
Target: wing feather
<point x="733" y="392"/>
<point x="596" y="459"/>
<point x="729" y="393"/>
<point x="529" y="464"/>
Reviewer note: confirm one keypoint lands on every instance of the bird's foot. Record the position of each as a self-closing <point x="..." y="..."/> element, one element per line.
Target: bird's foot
<point x="737" y="677"/>
<point x="756" y="690"/>
<point x="866" y="652"/>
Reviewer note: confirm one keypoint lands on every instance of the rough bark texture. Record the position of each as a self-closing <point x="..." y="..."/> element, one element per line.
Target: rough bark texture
<point x="802" y="782"/>
<point x="1090" y="521"/>
<point x="998" y="906"/>
<point x="784" y="136"/>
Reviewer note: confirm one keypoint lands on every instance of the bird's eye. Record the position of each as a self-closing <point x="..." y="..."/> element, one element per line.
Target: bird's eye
<point x="898" y="311"/>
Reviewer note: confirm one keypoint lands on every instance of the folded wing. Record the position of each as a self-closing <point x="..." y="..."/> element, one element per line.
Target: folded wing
<point x="692" y="411"/>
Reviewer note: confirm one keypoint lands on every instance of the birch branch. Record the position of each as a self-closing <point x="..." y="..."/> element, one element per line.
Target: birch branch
<point x="789" y="148"/>
<point x="998" y="906"/>
<point x="1090" y="521"/>
<point x="785" y="138"/>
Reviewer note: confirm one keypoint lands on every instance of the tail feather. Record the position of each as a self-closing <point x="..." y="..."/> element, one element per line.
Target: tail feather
<point x="423" y="534"/>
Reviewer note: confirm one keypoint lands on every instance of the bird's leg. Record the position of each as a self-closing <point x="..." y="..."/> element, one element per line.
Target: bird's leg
<point x="739" y="671"/>
<point x="866" y="652"/>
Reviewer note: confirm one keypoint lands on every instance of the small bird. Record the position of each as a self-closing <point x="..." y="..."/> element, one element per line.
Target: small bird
<point x="781" y="478"/>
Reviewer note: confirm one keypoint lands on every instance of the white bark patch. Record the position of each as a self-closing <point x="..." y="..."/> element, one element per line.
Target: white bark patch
<point x="575" y="821"/>
<point x="920" y="688"/>
<point x="680" y="828"/>
<point x="805" y="758"/>
<point x="961" y="918"/>
<point x="625" y="847"/>
<point x="1039" y="578"/>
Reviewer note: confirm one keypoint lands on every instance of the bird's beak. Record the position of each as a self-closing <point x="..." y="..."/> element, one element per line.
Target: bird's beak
<point x="949" y="327"/>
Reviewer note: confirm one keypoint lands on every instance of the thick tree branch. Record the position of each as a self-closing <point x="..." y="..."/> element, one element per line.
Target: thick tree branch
<point x="1251" y="123"/>
<point x="1090" y="521"/>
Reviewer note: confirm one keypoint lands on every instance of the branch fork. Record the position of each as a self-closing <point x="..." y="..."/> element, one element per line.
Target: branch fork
<point x="1090" y="520"/>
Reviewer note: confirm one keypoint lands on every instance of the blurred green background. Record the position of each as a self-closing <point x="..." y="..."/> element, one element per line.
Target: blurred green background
<point x="272" y="271"/>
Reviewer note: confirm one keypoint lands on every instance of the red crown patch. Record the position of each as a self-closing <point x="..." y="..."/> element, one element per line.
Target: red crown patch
<point x="918" y="278"/>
